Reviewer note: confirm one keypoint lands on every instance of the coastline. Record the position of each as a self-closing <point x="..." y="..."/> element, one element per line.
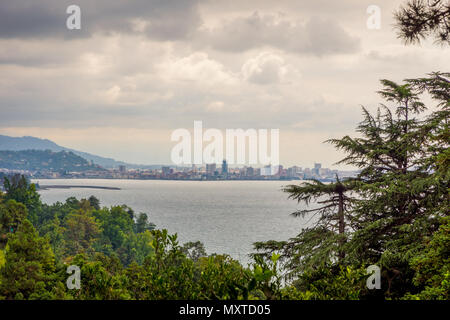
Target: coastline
<point x="75" y="186"/>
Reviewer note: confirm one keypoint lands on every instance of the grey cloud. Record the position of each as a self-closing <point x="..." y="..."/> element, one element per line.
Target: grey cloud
<point x="317" y="36"/>
<point x="34" y="54"/>
<point x="30" y="18"/>
<point x="328" y="37"/>
<point x="165" y="19"/>
<point x="254" y="110"/>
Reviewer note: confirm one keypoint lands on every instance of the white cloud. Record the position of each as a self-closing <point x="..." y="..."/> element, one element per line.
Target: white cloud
<point x="216" y="106"/>
<point x="197" y="68"/>
<point x="265" y="68"/>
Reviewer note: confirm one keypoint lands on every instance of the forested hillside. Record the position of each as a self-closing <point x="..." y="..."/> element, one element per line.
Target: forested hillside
<point x="36" y="160"/>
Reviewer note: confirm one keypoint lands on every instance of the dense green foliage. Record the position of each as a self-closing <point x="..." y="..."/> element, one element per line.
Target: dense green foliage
<point x="120" y="254"/>
<point x="38" y="160"/>
<point x="29" y="265"/>
<point x="432" y="266"/>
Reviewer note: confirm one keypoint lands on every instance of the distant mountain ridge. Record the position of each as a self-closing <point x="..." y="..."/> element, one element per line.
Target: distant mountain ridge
<point x="33" y="143"/>
<point x="39" y="160"/>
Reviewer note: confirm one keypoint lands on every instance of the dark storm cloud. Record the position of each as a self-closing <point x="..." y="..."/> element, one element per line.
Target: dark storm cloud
<point x="315" y="36"/>
<point x="164" y="19"/>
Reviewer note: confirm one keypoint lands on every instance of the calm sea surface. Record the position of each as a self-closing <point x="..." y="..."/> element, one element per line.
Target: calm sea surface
<point x="227" y="216"/>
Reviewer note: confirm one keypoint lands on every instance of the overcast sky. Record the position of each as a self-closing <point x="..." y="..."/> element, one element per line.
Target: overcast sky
<point x="137" y="70"/>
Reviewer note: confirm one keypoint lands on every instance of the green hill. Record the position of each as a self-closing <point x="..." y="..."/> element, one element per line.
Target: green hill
<point x="38" y="160"/>
<point x="32" y="143"/>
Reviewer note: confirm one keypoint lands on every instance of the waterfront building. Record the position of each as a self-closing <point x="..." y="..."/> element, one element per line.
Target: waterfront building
<point x="165" y="171"/>
<point x="210" y="168"/>
<point x="224" y="168"/>
<point x="316" y="169"/>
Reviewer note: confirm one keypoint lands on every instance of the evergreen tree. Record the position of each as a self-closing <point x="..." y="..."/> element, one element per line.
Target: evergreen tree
<point x="94" y="202"/>
<point x="12" y="214"/>
<point x="142" y="223"/>
<point x="432" y="266"/>
<point x="54" y="231"/>
<point x="81" y="231"/>
<point x="323" y="242"/>
<point x="396" y="200"/>
<point x="29" y="266"/>
<point x="398" y="191"/>
<point x="194" y="250"/>
<point x="116" y="223"/>
<point x="17" y="188"/>
<point x="418" y="19"/>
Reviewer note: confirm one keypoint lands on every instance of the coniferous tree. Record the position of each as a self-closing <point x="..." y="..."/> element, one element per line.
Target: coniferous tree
<point x="12" y="214"/>
<point x="81" y="231"/>
<point x="29" y="265"/>
<point x="396" y="200"/>
<point x="17" y="188"/>
<point x="323" y="242"/>
<point x="421" y="18"/>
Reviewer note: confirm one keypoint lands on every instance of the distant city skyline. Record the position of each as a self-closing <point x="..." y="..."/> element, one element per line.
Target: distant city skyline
<point x="9" y="143"/>
<point x="82" y="169"/>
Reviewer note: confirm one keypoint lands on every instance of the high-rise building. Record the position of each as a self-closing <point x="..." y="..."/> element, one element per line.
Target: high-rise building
<point x="224" y="168"/>
<point x="122" y="169"/>
<point x="165" y="171"/>
<point x="291" y="172"/>
<point x="279" y="170"/>
<point x="294" y="171"/>
<point x="316" y="169"/>
<point x="268" y="170"/>
<point x="210" y="168"/>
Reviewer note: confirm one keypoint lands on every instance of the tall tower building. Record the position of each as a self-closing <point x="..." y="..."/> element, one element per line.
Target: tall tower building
<point x="225" y="167"/>
<point x="317" y="167"/>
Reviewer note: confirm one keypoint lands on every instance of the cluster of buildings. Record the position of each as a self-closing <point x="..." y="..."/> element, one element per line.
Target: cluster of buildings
<point x="222" y="171"/>
<point x="207" y="172"/>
